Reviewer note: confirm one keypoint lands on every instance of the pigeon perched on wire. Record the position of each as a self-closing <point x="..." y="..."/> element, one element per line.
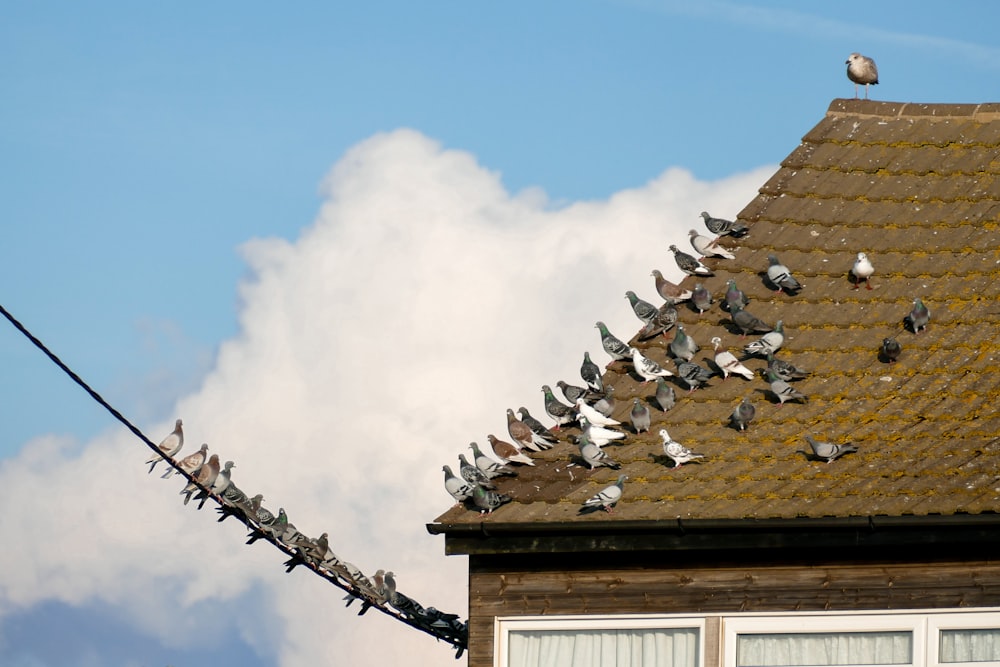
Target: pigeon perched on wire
<point x="640" y="416"/>
<point x="599" y="435"/>
<point x="829" y="451"/>
<point x="728" y="363"/>
<point x="743" y="414"/>
<point x="614" y="346"/>
<point x="572" y="392"/>
<point x="780" y="276"/>
<point x="508" y="452"/>
<point x="490" y="467"/>
<point x="746" y="322"/>
<point x="692" y="374"/>
<point x="708" y="247"/>
<point x="690" y="264"/>
<point x="721" y="226"/>
<point x="169" y="446"/>
<point x="222" y="481"/>
<point x="646" y="368"/>
<point x="472" y="474"/>
<point x="784" y="369"/>
<point x="782" y="390"/>
<point x="890" y="351"/>
<point x="677" y="452"/>
<point x="768" y="343"/>
<point x="593" y="416"/>
<point x="644" y="310"/>
<point x="861" y="70"/>
<point x="663" y="321"/>
<point x="457" y="488"/>
<point x="667" y="290"/>
<point x="918" y="317"/>
<point x="683" y="346"/>
<point x="591" y="374"/>
<point x="606" y="498"/>
<point x="203" y="479"/>
<point x="701" y="298"/>
<point x="734" y="295"/>
<point x="594" y="456"/>
<point x="190" y="464"/>
<point x="541" y="435"/>
<point x="665" y="397"/>
<point x="862" y="270"/>
<point x="488" y="500"/>
<point x="522" y="434"/>
<point x="559" y="412"/>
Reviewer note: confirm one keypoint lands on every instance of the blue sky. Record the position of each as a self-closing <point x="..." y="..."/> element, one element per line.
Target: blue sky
<point x="143" y="148"/>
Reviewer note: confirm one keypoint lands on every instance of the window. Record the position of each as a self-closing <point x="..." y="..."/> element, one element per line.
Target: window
<point x="969" y="640"/>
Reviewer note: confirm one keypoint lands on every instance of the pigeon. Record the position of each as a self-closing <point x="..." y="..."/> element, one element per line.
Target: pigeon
<point x="234" y="502"/>
<point x="522" y="434"/>
<point x="260" y="515"/>
<point x="222" y="481"/>
<point x="683" y="346"/>
<point x="721" y="226"/>
<point x="677" y="452"/>
<point x="728" y="363"/>
<point x="780" y="276"/>
<point x="701" y="298"/>
<point x="591" y="374"/>
<point x="606" y="498"/>
<point x="606" y="404"/>
<point x="203" y="480"/>
<point x="594" y="456"/>
<point x="647" y="368"/>
<point x="690" y="264"/>
<point x="456" y="487"/>
<point x="190" y="464"/>
<point x="743" y="414"/>
<point x="734" y="295"/>
<point x="593" y="416"/>
<point x="785" y="370"/>
<point x="640" y="416"/>
<point x="768" y="343"/>
<point x="664" y="397"/>
<point x="541" y="435"/>
<point x="665" y="319"/>
<point x="782" y="390"/>
<point x="571" y="391"/>
<point x="472" y="474"/>
<point x="169" y="446"/>
<point x="487" y="500"/>
<point x="862" y="270"/>
<point x="861" y="69"/>
<point x="490" y="467"/>
<point x="560" y="412"/>
<point x="918" y="317"/>
<point x="746" y="322"/>
<point x="708" y="247"/>
<point x="692" y="374"/>
<point x="507" y="452"/>
<point x="891" y="349"/>
<point x="599" y="435"/>
<point x="828" y="451"/>
<point x="644" y="310"/>
<point x="668" y="290"/>
<point x="612" y="345"/>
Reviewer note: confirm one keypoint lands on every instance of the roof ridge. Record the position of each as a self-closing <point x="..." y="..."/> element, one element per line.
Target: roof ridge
<point x="985" y="111"/>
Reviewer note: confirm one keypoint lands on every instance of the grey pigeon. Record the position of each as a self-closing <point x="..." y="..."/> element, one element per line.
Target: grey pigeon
<point x="522" y="434"/>
<point x="606" y="404"/>
<point x="667" y="290"/>
<point x="743" y="414"/>
<point x="708" y="247"/>
<point x="487" y="500"/>
<point x="644" y="310"/>
<point x="746" y="322"/>
<point x="606" y="498"/>
<point x="169" y="446"/>
<point x="222" y="481"/>
<point x="234" y="502"/>
<point x="665" y="319"/>
<point x="618" y="350"/>
<point x="472" y="474"/>
<point x="690" y="264"/>
<point x="782" y="390"/>
<point x="261" y="515"/>
<point x="891" y="349"/>
<point x="646" y="368"/>
<point x="683" y="346"/>
<point x="779" y="276"/>
<point x="918" y="317"/>
<point x="861" y="70"/>
<point x="721" y="226"/>
<point x="456" y="487"/>
<point x="190" y="464"/>
<point x="701" y="298"/>
<point x="728" y="363"/>
<point x="508" y="452"/>
<point x="829" y="451"/>
<point x="677" y="452"/>
<point x="768" y="343"/>
<point x="490" y="467"/>
<point x="640" y="416"/>
<point x="785" y="370"/>
<point x="541" y="434"/>
<point x="734" y="295"/>
<point x="594" y="456"/>
<point x="862" y="270"/>
<point x="591" y="374"/>
<point x="571" y="391"/>
<point x="559" y="412"/>
<point x="665" y="396"/>
<point x="599" y="435"/>
<point x="692" y="374"/>
<point x="203" y="479"/>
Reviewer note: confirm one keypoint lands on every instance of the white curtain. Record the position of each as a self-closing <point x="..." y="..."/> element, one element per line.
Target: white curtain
<point x="657" y="647"/>
<point x="970" y="645"/>
<point x="824" y="648"/>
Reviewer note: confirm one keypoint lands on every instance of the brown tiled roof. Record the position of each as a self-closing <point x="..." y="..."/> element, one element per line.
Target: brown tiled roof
<point x="917" y="187"/>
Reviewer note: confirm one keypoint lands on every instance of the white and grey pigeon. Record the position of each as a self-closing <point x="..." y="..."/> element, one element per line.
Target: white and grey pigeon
<point x="861" y="70"/>
<point x="780" y="276"/>
<point x="743" y="414"/>
<point x="692" y="374"/>
<point x="829" y="451"/>
<point x="918" y="317"/>
<point x="456" y="487"/>
<point x="728" y="363"/>
<point x="599" y="435"/>
<point x="667" y="290"/>
<point x="169" y="446"/>
<point x="508" y="452"/>
<point x="490" y="467"/>
<point x="768" y="343"/>
<point x="701" y="298"/>
<point x="708" y="247"/>
<point x="203" y="479"/>
<point x="472" y="474"/>
<point x="593" y="416"/>
<point x="541" y="435"/>
<point x="640" y="416"/>
<point x="665" y="396"/>
<point x="721" y="226"/>
<point x="219" y="486"/>
<point x="690" y="264"/>
<point x="522" y="434"/>
<point x="677" y="452"/>
<point x="612" y="344"/>
<point x="862" y="270"/>
<point x="647" y="368"/>
<point x="559" y="412"/>
<point x="683" y="346"/>
<point x="591" y="374"/>
<point x="606" y="498"/>
<point x="644" y="310"/>
<point x="782" y="390"/>
<point x="594" y="456"/>
<point x="190" y="464"/>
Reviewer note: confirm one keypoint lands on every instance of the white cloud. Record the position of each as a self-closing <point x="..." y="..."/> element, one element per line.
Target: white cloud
<point x="423" y="301"/>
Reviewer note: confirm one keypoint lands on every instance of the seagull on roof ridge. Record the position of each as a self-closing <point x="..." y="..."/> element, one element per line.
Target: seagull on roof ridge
<point x="861" y="69"/>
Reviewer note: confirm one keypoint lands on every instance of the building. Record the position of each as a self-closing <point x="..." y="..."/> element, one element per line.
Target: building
<point x="760" y="554"/>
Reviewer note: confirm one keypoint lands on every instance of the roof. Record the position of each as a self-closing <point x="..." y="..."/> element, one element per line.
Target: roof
<point x="916" y="187"/>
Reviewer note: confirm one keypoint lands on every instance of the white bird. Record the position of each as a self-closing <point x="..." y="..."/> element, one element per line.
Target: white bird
<point x="861" y="69"/>
<point x="599" y="435"/>
<point x="728" y="363"/>
<point x="593" y="416"/>
<point x="862" y="270"/>
<point x="169" y="446"/>
<point x="708" y="247"/>
<point x="647" y="368"/>
<point x="606" y="498"/>
<point x="676" y="451"/>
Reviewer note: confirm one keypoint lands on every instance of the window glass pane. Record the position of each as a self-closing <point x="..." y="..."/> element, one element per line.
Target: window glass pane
<point x="824" y="648"/>
<point x="970" y="645"/>
<point x="656" y="647"/>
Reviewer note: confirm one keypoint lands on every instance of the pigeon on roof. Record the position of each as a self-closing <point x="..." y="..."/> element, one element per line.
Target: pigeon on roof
<point x="606" y="498"/>
<point x="169" y="446"/>
<point x="683" y="346"/>
<point x="728" y="363"/>
<point x="690" y="264"/>
<point x="541" y="435"/>
<point x="701" y="298"/>
<point x="780" y="276"/>
<point x="743" y="414"/>
<point x="599" y="435"/>
<point x="667" y="290"/>
<point x="677" y="452"/>
<point x="472" y="474"/>
<point x="862" y="270"/>
<point x="784" y="369"/>
<point x="692" y="374"/>
<point x="644" y="310"/>
<point x="829" y="451"/>
<point x="594" y="456"/>
<point x="606" y="404"/>
<point x="666" y="317"/>
<point x="734" y="295"/>
<point x="768" y="343"/>
<point x="490" y="467"/>
<point x="222" y="481"/>
<point x="861" y="70"/>
<point x="560" y="412"/>
<point x="746" y="322"/>
<point x="507" y="452"/>
<point x="572" y="392"/>
<point x="487" y="500"/>
<point x="522" y="434"/>
<point x="203" y="479"/>
<point x="647" y="368"/>
<point x="721" y="226"/>
<point x="591" y="373"/>
<point x="708" y="247"/>
<point x="782" y="390"/>
<point x="640" y="416"/>
<point x="891" y="349"/>
<point x="190" y="464"/>
<point x="593" y="416"/>
<point x="665" y="397"/>
<point x="612" y="345"/>
<point x="918" y="317"/>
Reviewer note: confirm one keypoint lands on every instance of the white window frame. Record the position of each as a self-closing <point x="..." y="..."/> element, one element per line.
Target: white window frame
<point x="979" y="620"/>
